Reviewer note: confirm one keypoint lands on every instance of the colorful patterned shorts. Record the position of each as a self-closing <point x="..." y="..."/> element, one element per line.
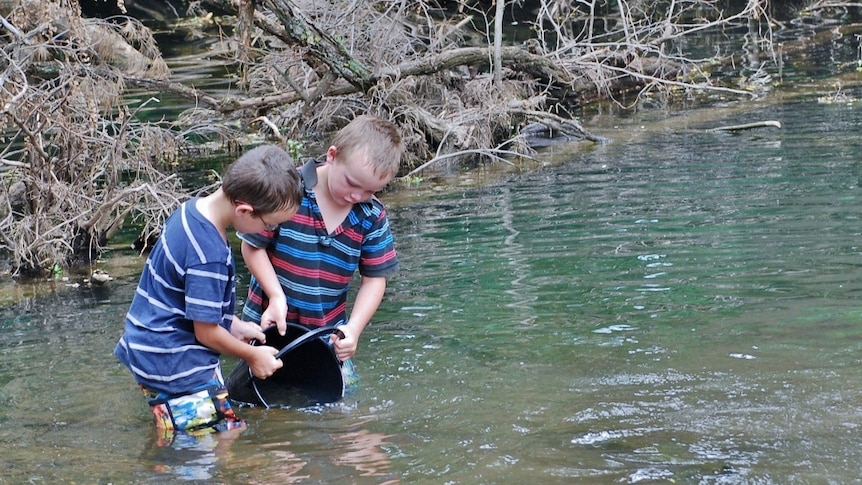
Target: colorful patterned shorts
<point x="350" y="377"/>
<point x="204" y="410"/>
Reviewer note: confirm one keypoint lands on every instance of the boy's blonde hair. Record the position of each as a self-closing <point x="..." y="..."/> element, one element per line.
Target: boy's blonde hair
<point x="266" y="178"/>
<point x="374" y="137"/>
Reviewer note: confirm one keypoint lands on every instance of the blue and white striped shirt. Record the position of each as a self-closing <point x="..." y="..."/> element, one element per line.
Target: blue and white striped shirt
<point x="189" y="276"/>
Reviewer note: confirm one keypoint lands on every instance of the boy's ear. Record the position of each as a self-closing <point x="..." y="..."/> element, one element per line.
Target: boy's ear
<point x="243" y="207"/>
<point x="331" y="153"/>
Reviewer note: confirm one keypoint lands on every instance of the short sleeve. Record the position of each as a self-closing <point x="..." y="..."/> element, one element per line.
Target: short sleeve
<point x="259" y="240"/>
<point x="378" y="250"/>
<point x="207" y="289"/>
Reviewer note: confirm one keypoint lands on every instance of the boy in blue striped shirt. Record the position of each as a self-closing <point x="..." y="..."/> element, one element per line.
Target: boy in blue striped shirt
<point x="301" y="271"/>
<point x="182" y="314"/>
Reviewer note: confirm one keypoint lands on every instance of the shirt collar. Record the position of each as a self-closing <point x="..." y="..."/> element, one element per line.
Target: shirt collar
<point x="308" y="172"/>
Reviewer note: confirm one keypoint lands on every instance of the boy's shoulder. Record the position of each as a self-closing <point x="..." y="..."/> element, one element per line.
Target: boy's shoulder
<point x="192" y="236"/>
<point x="371" y="207"/>
<point x="369" y="213"/>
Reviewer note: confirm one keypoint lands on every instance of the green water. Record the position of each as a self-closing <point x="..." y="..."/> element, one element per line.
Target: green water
<point x="676" y="306"/>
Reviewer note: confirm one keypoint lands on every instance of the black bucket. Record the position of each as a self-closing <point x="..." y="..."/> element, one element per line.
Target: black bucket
<point x="311" y="374"/>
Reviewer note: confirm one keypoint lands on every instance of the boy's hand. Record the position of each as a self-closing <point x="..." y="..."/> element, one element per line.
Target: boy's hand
<point x="247" y="331"/>
<point x="344" y="347"/>
<point x="275" y="314"/>
<point x="263" y="363"/>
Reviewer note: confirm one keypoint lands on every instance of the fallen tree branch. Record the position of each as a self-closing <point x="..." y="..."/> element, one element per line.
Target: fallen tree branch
<point x="495" y="153"/>
<point x="178" y="89"/>
<point x="513" y="57"/>
<point x="748" y="126"/>
<point x="562" y="125"/>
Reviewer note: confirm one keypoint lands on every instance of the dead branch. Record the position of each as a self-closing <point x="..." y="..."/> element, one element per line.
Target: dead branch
<point x="178" y="89"/>
<point x="299" y="30"/>
<point x="562" y="126"/>
<point x="515" y="58"/>
<point x="748" y="126"/>
<point x="498" y="153"/>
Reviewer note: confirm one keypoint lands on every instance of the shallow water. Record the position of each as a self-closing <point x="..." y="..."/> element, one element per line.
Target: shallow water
<point x="675" y="306"/>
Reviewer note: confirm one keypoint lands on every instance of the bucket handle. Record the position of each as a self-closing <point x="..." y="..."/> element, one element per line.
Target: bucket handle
<point x="318" y="332"/>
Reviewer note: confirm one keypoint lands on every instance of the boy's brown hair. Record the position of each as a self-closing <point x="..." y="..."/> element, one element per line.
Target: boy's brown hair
<point x="374" y="137"/>
<point x="266" y="178"/>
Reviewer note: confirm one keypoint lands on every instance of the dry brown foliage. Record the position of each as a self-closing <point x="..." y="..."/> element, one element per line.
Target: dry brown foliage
<point x="77" y="163"/>
<point x="440" y="74"/>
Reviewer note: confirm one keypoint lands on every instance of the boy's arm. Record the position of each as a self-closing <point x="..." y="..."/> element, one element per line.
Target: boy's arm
<point x="261" y="358"/>
<point x="368" y="298"/>
<point x="258" y="264"/>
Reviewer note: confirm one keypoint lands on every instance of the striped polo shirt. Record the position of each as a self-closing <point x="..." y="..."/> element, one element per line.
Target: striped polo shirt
<point x="189" y="276"/>
<point x="315" y="267"/>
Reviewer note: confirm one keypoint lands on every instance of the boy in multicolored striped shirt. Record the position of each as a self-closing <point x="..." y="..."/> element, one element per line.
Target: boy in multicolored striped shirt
<point x="182" y="314"/>
<point x="301" y="271"/>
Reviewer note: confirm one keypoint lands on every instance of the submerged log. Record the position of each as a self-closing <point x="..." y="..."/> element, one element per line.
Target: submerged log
<point x="748" y="126"/>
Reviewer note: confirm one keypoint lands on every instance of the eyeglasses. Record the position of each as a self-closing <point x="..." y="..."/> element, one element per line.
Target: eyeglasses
<point x="269" y="227"/>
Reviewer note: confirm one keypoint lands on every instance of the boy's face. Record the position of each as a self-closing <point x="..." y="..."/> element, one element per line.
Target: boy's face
<point x="353" y="181"/>
<point x="250" y="221"/>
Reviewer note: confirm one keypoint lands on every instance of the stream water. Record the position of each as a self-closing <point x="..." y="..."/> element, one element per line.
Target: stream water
<point x="678" y="305"/>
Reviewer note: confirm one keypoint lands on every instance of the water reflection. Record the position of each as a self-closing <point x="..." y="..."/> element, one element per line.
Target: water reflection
<point x="188" y="458"/>
<point x="365" y="453"/>
<point x="355" y="453"/>
<point x="316" y="446"/>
